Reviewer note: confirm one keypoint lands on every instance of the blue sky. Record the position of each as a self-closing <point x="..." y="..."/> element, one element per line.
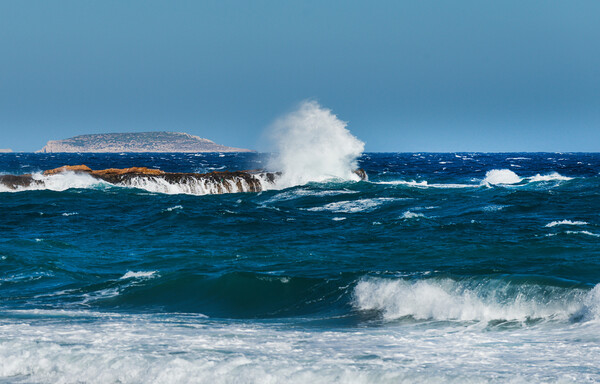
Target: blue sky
<point x="406" y="75"/>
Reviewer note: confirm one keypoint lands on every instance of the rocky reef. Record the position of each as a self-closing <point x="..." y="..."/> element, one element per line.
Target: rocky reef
<point x="156" y="180"/>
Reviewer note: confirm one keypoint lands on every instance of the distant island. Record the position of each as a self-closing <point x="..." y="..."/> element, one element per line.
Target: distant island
<point x="137" y="142"/>
<point x="5" y="150"/>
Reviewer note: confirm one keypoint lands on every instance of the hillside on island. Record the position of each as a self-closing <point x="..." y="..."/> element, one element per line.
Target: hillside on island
<point x="137" y="142"/>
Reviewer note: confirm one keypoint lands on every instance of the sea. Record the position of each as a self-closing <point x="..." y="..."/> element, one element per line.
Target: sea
<point x="441" y="268"/>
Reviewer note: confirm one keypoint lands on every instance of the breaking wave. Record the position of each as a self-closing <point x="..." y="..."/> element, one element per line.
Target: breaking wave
<point x="565" y="222"/>
<point x="446" y="299"/>
<point x="501" y="177"/>
<point x="494" y="177"/>
<point x="362" y="205"/>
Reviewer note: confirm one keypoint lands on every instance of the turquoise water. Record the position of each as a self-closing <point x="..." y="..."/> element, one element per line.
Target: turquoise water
<point x="440" y="268"/>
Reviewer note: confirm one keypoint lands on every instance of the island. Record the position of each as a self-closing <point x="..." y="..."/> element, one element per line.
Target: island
<point x="136" y="142"/>
<point x="5" y="150"/>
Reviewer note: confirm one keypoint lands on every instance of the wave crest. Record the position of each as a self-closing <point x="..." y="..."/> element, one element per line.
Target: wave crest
<point x="446" y="299"/>
<point x="501" y="177"/>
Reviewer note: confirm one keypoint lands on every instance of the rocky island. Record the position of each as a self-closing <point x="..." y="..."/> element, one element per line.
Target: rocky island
<point x="5" y="150"/>
<point x="137" y="142"/>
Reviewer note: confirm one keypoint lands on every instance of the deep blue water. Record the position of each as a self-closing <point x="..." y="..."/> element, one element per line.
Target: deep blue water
<point x="436" y="257"/>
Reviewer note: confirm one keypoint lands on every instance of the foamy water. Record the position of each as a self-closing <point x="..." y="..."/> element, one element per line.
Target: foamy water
<point x="428" y="273"/>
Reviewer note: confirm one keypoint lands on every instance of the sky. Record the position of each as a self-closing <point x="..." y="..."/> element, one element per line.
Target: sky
<point x="437" y="76"/>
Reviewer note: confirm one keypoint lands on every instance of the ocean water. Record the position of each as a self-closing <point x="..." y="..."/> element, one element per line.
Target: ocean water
<point x="460" y="268"/>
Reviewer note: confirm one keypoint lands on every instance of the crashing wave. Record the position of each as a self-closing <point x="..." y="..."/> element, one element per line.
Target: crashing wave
<point x="508" y="177"/>
<point x="450" y="300"/>
<point x="554" y="176"/>
<point x="501" y="177"/>
<point x="152" y="180"/>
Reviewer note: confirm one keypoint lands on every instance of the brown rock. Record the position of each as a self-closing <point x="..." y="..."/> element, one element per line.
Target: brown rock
<point x="66" y="168"/>
<point x="362" y="174"/>
<point x="123" y="171"/>
<point x="17" y="181"/>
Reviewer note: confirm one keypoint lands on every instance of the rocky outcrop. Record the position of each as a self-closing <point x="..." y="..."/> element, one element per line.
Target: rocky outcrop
<point x="362" y="174"/>
<point x="18" y="181"/>
<point x="160" y="181"/>
<point x="137" y="142"/>
<point x="67" y="168"/>
<point x="196" y="183"/>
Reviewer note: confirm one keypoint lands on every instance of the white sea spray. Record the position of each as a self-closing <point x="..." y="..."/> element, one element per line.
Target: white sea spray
<point x="312" y="144"/>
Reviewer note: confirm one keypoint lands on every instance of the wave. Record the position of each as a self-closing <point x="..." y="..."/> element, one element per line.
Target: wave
<point x="450" y="300"/>
<point x="413" y="296"/>
<point x="425" y="184"/>
<point x="354" y="206"/>
<point x="587" y="233"/>
<point x="501" y="177"/>
<point x="565" y="222"/>
<point x="412" y="215"/>
<point x="494" y="177"/>
<point x="508" y="177"/>
<point x="231" y="295"/>
<point x="554" y="176"/>
<point x="138" y="275"/>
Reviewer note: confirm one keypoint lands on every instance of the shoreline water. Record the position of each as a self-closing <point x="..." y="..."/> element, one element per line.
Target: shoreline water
<point x="436" y="269"/>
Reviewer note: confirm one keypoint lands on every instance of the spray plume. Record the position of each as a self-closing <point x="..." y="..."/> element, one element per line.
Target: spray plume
<point x="312" y="144"/>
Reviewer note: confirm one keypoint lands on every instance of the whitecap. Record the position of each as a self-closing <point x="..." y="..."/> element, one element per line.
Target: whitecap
<point x="565" y="222"/>
<point x="412" y="215"/>
<point x="353" y="206"/>
<point x="170" y="209"/>
<point x="139" y="275"/>
<point x="501" y="177"/>
<point x="554" y="176"/>
<point x="302" y="192"/>
<point x="587" y="233"/>
<point x="425" y="184"/>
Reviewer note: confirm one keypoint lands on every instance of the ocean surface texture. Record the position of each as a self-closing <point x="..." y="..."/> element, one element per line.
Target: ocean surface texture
<point x="459" y="268"/>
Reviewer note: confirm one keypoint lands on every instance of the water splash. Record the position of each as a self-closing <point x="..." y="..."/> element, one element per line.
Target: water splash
<point x="312" y="144"/>
<point x="445" y="299"/>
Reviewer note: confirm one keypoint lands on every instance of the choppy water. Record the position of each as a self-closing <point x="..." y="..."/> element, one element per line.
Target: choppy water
<point x="442" y="268"/>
